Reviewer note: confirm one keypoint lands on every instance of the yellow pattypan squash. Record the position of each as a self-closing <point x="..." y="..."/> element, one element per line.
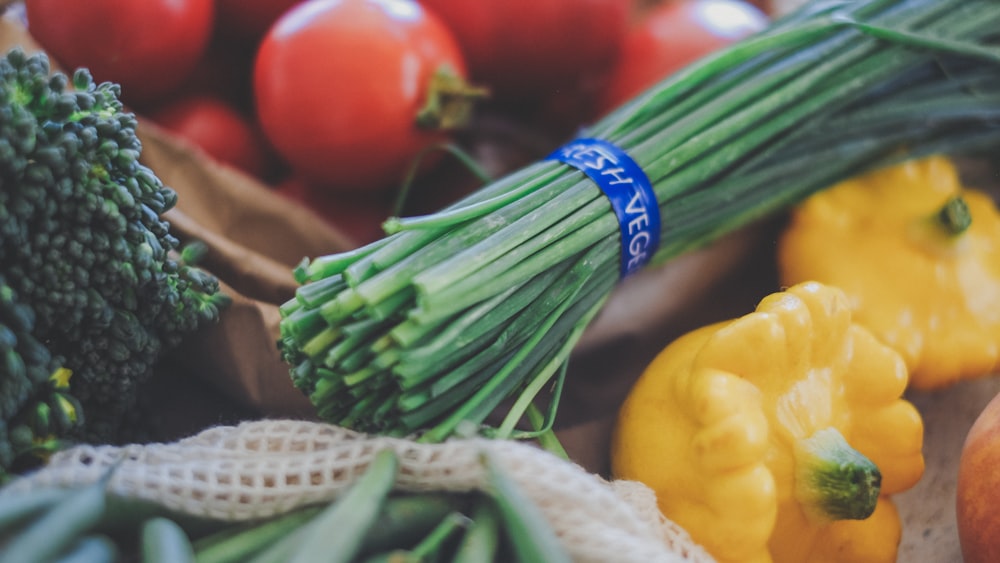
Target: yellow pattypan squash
<point x="777" y="436"/>
<point x="918" y="256"/>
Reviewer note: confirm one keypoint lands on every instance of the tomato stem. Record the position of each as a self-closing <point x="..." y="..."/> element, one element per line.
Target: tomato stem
<point x="450" y="101"/>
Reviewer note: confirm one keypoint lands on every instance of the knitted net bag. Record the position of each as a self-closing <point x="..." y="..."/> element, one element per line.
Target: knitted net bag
<point x="263" y="468"/>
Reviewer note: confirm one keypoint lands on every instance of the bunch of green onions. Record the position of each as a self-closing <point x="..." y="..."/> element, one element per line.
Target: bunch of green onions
<point x="430" y="329"/>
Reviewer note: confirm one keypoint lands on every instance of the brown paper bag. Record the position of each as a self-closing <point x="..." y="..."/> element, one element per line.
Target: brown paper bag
<point x="255" y="238"/>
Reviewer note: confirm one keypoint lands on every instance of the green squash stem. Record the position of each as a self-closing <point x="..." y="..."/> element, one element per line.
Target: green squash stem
<point x="833" y="481"/>
<point x="954" y="216"/>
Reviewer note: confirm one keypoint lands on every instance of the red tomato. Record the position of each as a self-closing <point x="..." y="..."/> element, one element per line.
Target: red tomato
<point x="527" y="49"/>
<point x="219" y="129"/>
<point x="339" y="83"/>
<point x="147" y="46"/>
<point x="249" y="20"/>
<point x="673" y="35"/>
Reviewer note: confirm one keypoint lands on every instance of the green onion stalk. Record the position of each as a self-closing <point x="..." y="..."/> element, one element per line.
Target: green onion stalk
<point x="429" y="330"/>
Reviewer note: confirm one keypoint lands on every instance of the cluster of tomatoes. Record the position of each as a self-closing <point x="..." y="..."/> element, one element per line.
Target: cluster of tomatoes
<point x="337" y="102"/>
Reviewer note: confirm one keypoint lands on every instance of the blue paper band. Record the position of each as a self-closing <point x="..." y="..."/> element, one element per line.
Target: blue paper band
<point x="629" y="190"/>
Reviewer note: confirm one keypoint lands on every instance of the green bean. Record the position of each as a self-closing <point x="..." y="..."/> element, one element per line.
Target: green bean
<point x="164" y="541"/>
<point x="432" y="547"/>
<point x="282" y="550"/>
<point x="57" y="529"/>
<point x="236" y="544"/>
<point x="481" y="541"/>
<point x="406" y="519"/>
<point x="91" y="549"/>
<point x="394" y="556"/>
<point x="335" y="535"/>
<point x="531" y="536"/>
<point x="16" y="508"/>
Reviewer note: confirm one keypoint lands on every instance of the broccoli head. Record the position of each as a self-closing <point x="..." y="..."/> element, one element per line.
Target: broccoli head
<point x="36" y="409"/>
<point x="83" y="241"/>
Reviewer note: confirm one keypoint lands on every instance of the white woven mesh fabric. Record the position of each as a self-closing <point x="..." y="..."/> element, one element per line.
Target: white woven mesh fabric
<point x="262" y="468"/>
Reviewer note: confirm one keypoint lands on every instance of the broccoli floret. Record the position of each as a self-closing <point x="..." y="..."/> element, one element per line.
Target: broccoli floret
<point x="26" y="363"/>
<point x="36" y="409"/>
<point x="83" y="240"/>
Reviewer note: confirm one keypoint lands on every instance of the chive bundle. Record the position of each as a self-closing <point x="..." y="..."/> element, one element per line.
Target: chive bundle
<point x="452" y="314"/>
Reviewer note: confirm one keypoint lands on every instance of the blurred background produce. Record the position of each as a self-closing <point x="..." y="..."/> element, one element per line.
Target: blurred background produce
<point x="668" y="36"/>
<point x="149" y="48"/>
<point x="218" y="128"/>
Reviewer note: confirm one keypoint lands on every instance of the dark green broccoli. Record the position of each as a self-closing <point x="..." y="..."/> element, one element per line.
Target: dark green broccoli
<point x="82" y="239"/>
<point x="35" y="406"/>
